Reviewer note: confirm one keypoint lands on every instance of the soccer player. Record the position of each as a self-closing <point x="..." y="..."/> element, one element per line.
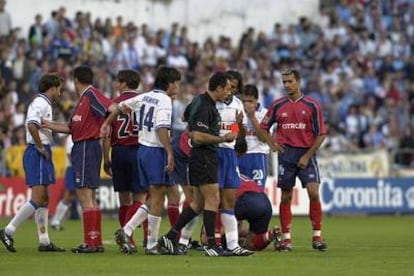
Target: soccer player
<point x="204" y="126"/>
<point x="38" y="166"/>
<point x="299" y="134"/>
<point x="84" y="125"/>
<point x="253" y="205"/>
<point x="253" y="163"/>
<point x="69" y="195"/>
<point x="122" y="164"/>
<point x="232" y="120"/>
<point x="155" y="156"/>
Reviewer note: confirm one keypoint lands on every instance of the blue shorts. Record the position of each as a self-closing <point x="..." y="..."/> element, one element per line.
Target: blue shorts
<point x="288" y="169"/>
<point x="86" y="162"/>
<point x="180" y="173"/>
<point x="256" y="209"/>
<point x="228" y="175"/>
<point x="70" y="179"/>
<point x="151" y="166"/>
<point x="125" y="169"/>
<point x="37" y="169"/>
<point x="254" y="165"/>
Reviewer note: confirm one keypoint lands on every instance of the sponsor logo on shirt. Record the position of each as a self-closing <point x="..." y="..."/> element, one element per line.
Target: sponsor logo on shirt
<point x="77" y="118"/>
<point x="201" y="124"/>
<point x="294" y="126"/>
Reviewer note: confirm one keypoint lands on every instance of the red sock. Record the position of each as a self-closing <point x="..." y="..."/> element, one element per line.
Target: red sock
<point x="98" y="227"/>
<point x="122" y="213"/>
<point x="173" y="213"/>
<point x="285" y="217"/>
<point x="132" y="210"/>
<point x="145" y="230"/>
<point x="217" y="229"/>
<point x="129" y="214"/>
<point x="315" y="215"/>
<point x="92" y="227"/>
<point x="261" y="241"/>
<point x="186" y="204"/>
<point x="88" y="224"/>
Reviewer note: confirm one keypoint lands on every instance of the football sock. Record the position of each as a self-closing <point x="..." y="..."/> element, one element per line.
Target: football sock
<point x="229" y="222"/>
<point x="137" y="219"/>
<point x="41" y="218"/>
<point x="261" y="241"/>
<point x="173" y="213"/>
<point x="217" y="229"/>
<point x="98" y="226"/>
<point x="60" y="212"/>
<point x="187" y="231"/>
<point x="122" y="213"/>
<point x="285" y="217"/>
<point x="209" y="220"/>
<point x="24" y="213"/>
<point x="153" y="229"/>
<point x="315" y="215"/>
<point x="186" y="216"/>
<point x="89" y="222"/>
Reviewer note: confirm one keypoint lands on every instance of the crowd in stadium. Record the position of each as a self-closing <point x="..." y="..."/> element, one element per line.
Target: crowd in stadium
<point x="356" y="58"/>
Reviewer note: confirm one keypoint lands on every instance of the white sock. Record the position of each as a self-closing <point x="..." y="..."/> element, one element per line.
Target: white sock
<point x="24" y="213"/>
<point x="61" y="210"/>
<point x="139" y="217"/>
<point x="229" y="222"/>
<point x="187" y="231"/>
<point x="153" y="229"/>
<point x="41" y="218"/>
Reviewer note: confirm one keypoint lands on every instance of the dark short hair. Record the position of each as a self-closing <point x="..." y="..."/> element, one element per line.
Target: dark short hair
<point x="251" y="90"/>
<point x="218" y="79"/>
<point x="235" y="75"/>
<point x="48" y="81"/>
<point x="83" y="74"/>
<point x="164" y="76"/>
<point x="290" y="71"/>
<point x="130" y="77"/>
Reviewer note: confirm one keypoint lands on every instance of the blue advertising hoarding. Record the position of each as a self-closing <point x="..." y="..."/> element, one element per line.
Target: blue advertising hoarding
<point x="367" y="195"/>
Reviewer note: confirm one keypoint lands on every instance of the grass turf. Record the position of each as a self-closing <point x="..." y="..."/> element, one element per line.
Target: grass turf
<point x="358" y="245"/>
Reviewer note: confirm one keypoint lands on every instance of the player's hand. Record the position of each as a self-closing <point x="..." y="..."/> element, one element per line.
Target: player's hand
<point x="230" y="137"/>
<point x="43" y="152"/>
<point x="250" y="109"/>
<point x="105" y="131"/>
<point x="277" y="148"/>
<point x="107" y="167"/>
<point x="170" y="163"/>
<point x="303" y="161"/>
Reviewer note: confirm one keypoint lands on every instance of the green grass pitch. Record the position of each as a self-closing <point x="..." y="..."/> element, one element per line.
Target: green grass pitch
<point x="358" y="245"/>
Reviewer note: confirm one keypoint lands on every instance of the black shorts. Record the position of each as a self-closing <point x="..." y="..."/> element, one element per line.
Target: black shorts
<point x="203" y="167"/>
<point x="256" y="209"/>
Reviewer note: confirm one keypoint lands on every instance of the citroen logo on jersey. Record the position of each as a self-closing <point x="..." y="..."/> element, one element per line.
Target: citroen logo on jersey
<point x="303" y="112"/>
<point x="284" y="114"/>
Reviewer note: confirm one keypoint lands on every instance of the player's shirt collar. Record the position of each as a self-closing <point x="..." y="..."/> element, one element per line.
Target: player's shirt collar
<point x="297" y="100"/>
<point x="47" y="99"/>
<point x="160" y="91"/>
<point x="228" y="101"/>
<point x="86" y="89"/>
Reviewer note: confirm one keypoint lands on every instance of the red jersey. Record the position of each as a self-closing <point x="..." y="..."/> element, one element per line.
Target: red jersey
<point x="247" y="185"/>
<point x="125" y="128"/>
<point x="88" y="115"/>
<point x="298" y="122"/>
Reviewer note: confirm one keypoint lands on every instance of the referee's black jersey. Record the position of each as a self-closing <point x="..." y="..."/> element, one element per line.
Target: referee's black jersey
<point x="203" y="116"/>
